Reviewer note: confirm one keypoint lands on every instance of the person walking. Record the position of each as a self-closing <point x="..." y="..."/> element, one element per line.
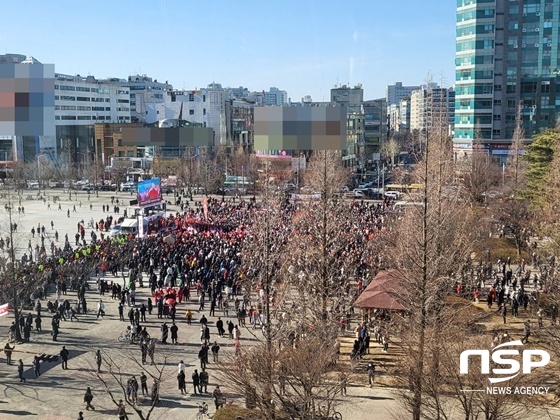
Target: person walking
<point x="98" y="360"/>
<point x="100" y="309"/>
<point x="371" y="373"/>
<point x="121" y="410"/>
<point x="526" y="332"/>
<point x="215" y="349"/>
<point x="218" y="397"/>
<point x="37" y="366"/>
<point x="8" y="351"/>
<point x="181" y="382"/>
<point x="88" y="398"/>
<point x="343" y="383"/>
<point x="144" y="383"/>
<point x="20" y="371"/>
<point x="174" y="329"/>
<point x="204" y="378"/>
<point x="64" y="356"/>
<point x="196" y="382"/>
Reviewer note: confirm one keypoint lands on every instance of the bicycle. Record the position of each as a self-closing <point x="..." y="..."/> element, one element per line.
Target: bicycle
<point x="128" y="338"/>
<point x="203" y="412"/>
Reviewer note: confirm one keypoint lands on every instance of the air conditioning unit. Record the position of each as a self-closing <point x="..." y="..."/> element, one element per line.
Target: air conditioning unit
<point x="523" y="45"/>
<point x="524" y="29"/>
<point x="515" y="46"/>
<point x="549" y="45"/>
<point x="537" y="29"/>
<point x="538" y="13"/>
<point x="537" y="45"/>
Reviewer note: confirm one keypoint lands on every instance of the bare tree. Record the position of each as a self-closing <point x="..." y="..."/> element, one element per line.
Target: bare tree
<point x="430" y="246"/>
<point x="478" y="175"/>
<point x="114" y="376"/>
<point x="517" y="166"/>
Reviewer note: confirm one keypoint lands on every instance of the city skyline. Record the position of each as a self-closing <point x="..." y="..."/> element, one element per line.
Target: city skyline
<point x="258" y="46"/>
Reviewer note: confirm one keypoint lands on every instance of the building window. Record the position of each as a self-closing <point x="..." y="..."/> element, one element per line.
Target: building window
<point x="203" y="111"/>
<point x="83" y="99"/>
<point x="82" y="89"/>
<point x="191" y="111"/>
<point x="191" y="97"/>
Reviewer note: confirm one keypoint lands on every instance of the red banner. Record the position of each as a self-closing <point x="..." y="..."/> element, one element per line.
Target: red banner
<point x="205" y="207"/>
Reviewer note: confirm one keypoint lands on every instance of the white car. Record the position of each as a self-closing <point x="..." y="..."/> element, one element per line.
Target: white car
<point x="392" y="194"/>
<point x="115" y="230"/>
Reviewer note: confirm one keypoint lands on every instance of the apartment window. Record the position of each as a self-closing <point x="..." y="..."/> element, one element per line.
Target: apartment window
<point x="107" y="108"/>
<point x="68" y="117"/>
<point x="56" y="86"/>
<point x="511" y="87"/>
<point x="123" y="101"/>
<point x="497" y="102"/>
<point x="122" y="92"/>
<point x="84" y="108"/>
<point x="82" y="89"/>
<point x="68" y="108"/>
<point x="56" y="98"/>
<point x="203" y="111"/>
<point x="62" y="87"/>
<point x="97" y="108"/>
<point x="56" y="107"/>
<point x="497" y="117"/>
<point x="545" y="88"/>
<point x="511" y="103"/>
<point x="67" y="98"/>
<point x="84" y="118"/>
<point x="97" y="99"/>
<point x="83" y="99"/>
<point x="107" y="100"/>
<point x="191" y="111"/>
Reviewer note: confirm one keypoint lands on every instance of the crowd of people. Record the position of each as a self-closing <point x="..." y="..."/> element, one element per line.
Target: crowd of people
<point x="187" y="257"/>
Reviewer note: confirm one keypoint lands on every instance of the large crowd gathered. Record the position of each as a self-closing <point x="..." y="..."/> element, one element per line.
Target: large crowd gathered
<point x="194" y="255"/>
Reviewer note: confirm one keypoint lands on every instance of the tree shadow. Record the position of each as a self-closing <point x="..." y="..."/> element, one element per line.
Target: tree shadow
<point x="18" y="412"/>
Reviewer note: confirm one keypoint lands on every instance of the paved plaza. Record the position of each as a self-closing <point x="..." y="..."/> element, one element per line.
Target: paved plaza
<point x="58" y="393"/>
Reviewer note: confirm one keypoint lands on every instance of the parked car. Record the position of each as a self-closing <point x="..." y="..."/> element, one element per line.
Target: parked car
<point x="106" y="187"/>
<point x="392" y="194"/>
<point x="115" y="230"/>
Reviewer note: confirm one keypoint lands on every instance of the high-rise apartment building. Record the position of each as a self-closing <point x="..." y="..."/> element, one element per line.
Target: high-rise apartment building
<point x="432" y="106"/>
<point x="507" y="60"/>
<point x="395" y="93"/>
<point x="275" y="96"/>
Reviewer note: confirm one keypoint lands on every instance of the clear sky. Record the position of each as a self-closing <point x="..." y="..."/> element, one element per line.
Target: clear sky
<point x="301" y="46"/>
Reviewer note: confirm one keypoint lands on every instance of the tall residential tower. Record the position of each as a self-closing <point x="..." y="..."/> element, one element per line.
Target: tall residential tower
<point x="507" y="59"/>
